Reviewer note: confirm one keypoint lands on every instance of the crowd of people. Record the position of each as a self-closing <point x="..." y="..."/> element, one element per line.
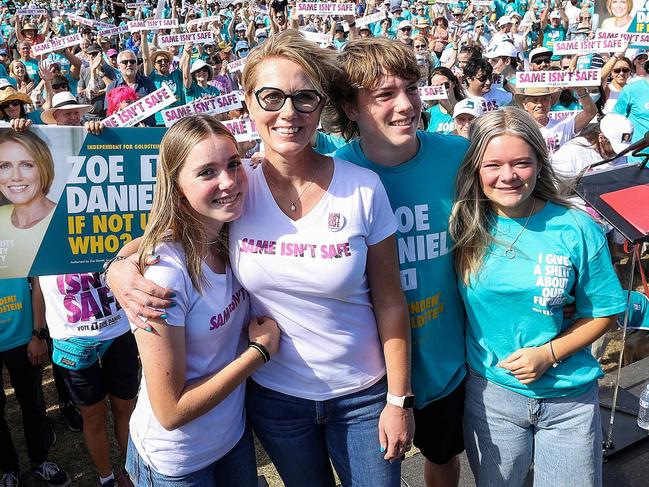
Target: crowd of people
<point x="386" y="271"/>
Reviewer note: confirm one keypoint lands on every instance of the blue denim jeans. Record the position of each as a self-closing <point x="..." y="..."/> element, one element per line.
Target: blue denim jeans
<point x="504" y="432"/>
<point x="237" y="467"/>
<point x="301" y="435"/>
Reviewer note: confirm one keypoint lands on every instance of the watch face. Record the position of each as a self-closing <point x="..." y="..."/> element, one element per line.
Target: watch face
<point x="409" y="402"/>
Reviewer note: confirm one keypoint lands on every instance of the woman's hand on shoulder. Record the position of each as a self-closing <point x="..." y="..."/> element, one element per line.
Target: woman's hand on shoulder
<point x="264" y="331"/>
<point x="528" y="364"/>
<point x="140" y="298"/>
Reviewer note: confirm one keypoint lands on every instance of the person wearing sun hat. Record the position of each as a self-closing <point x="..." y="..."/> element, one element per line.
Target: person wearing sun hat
<point x="197" y="82"/>
<point x="537" y="102"/>
<point x="157" y="66"/>
<point x="29" y="31"/>
<point x="65" y="111"/>
<point x="12" y="107"/>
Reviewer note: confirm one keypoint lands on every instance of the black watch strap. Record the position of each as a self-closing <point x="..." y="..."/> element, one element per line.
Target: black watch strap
<point x="40" y="333"/>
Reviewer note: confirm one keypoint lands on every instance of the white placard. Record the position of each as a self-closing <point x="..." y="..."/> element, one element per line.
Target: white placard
<point x="558" y="79"/>
<point x="181" y="39"/>
<point x="237" y="65"/>
<point x="561" y="114"/>
<point x="436" y="92"/>
<point x="142" y="108"/>
<point x="152" y="24"/>
<point x="483" y="3"/>
<point x="204" y="20"/>
<point x="113" y="31"/>
<point x="325" y="8"/>
<point x="589" y="46"/>
<point x="243" y="129"/>
<point x="370" y="19"/>
<point x="103" y="25"/>
<point x="21" y="12"/>
<point x="631" y="38"/>
<point x="81" y="20"/>
<point x="159" y="9"/>
<point x="56" y="43"/>
<point x="317" y="37"/>
<point x="135" y="5"/>
<point x="209" y="105"/>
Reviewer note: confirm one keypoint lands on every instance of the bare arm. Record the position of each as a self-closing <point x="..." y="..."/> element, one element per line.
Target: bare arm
<point x="396" y="425"/>
<point x="148" y="65"/>
<point x="584" y="117"/>
<point x="176" y="402"/>
<point x="37" y="348"/>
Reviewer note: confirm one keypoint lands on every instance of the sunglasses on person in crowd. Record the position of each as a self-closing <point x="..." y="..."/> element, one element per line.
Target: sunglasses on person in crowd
<point x="273" y="99"/>
<point x="407" y="29"/>
<point x="11" y="103"/>
<point x="621" y="70"/>
<point x="482" y="78"/>
<point x="419" y="46"/>
<point x="162" y="61"/>
<point x="128" y="61"/>
<point x="542" y="60"/>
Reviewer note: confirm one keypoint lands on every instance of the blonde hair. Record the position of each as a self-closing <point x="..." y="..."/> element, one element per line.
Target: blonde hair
<point x="365" y="62"/>
<point x="609" y="6"/>
<point x="471" y="220"/>
<point x="320" y="65"/>
<point x="38" y="150"/>
<point x="172" y="217"/>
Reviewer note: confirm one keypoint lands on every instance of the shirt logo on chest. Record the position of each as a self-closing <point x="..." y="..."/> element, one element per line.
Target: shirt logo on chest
<point x="336" y="222"/>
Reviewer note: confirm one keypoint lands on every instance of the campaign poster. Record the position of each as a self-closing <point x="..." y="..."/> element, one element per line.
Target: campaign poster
<point x="77" y="200"/>
<point x="624" y="15"/>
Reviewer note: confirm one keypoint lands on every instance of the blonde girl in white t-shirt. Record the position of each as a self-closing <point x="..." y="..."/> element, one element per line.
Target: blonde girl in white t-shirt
<point x="188" y="427"/>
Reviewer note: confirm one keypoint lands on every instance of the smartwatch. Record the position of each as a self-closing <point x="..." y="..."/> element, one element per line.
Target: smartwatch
<point x="40" y="333"/>
<point x="404" y="402"/>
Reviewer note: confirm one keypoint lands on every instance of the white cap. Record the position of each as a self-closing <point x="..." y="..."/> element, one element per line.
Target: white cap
<point x="505" y="19"/>
<point x="618" y="130"/>
<point x="555" y="15"/>
<point x="240" y="26"/>
<point x="405" y="4"/>
<point x="404" y="24"/>
<point x="4" y="83"/>
<point x="470" y="107"/>
<point x="261" y="33"/>
<point x="501" y="49"/>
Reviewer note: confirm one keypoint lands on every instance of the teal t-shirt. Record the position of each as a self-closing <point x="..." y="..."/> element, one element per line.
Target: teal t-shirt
<point x="194" y="92"/>
<point x="440" y="122"/>
<point x="16" y="322"/>
<point x="638" y="312"/>
<point x="327" y="143"/>
<point x="31" y="66"/>
<point x="552" y="35"/>
<point x="633" y="103"/>
<point x="561" y="258"/>
<point x="420" y="193"/>
<point x="175" y="82"/>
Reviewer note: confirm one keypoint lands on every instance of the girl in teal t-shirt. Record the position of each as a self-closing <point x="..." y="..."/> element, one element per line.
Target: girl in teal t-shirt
<point x="522" y="254"/>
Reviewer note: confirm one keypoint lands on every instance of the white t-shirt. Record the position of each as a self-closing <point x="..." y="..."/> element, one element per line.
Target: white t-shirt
<point x="81" y="306"/>
<point x="495" y="98"/>
<point x="213" y="322"/>
<point x="611" y="99"/>
<point x="309" y="275"/>
<point x="558" y="132"/>
<point x="577" y="154"/>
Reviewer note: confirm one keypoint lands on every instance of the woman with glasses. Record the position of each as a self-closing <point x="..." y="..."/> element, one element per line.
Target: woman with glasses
<point x="620" y="68"/>
<point x="441" y="111"/>
<point x="13" y="107"/>
<point x="315" y="248"/>
<point x="197" y="81"/>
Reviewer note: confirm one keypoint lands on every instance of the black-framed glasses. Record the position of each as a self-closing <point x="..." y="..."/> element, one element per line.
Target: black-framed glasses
<point x="544" y="60"/>
<point x="128" y="61"/>
<point x="420" y="46"/>
<point x="11" y="103"/>
<point x="273" y="99"/>
<point x="162" y="61"/>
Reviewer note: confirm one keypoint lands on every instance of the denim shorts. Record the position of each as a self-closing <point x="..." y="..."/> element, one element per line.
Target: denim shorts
<point x="301" y="436"/>
<point x="506" y="432"/>
<point x="235" y="468"/>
